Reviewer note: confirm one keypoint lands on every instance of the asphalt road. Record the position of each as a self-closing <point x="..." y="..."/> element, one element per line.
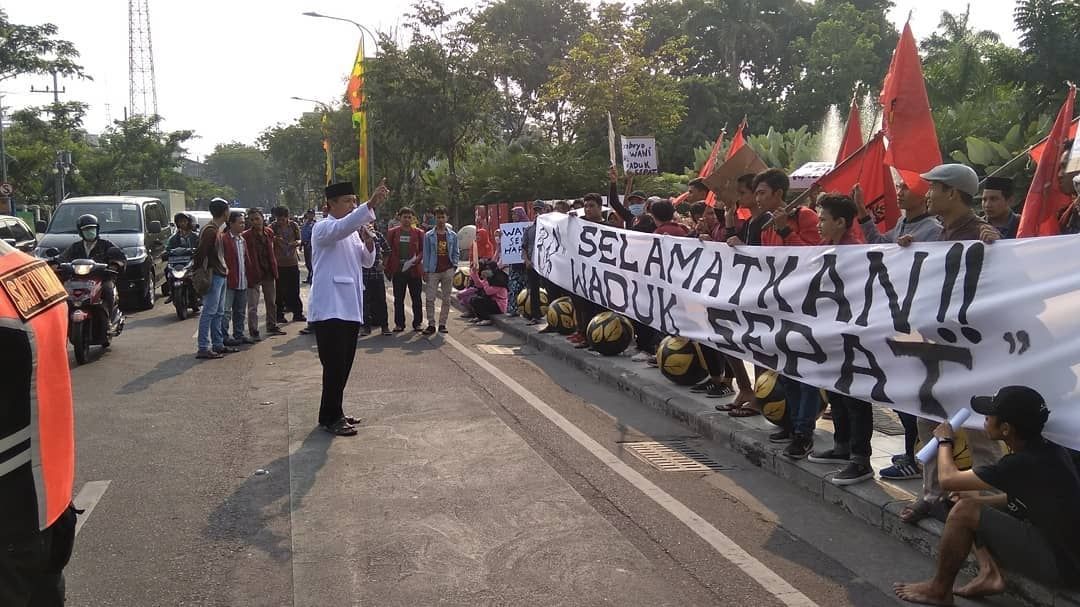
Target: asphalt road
<point x="462" y="488"/>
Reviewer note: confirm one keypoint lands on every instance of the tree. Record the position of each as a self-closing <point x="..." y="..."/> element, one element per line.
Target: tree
<point x="136" y="154"/>
<point x="34" y="49"/>
<point x="608" y="71"/>
<point x="245" y="169"/>
<point x="1048" y="37"/>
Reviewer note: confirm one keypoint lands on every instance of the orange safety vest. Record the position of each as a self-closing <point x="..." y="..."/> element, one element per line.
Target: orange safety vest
<point x="37" y="432"/>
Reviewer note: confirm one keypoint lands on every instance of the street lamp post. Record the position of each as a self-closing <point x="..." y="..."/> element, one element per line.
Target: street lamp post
<point x="363" y="30"/>
<point x="62" y="168"/>
<point x="326" y="135"/>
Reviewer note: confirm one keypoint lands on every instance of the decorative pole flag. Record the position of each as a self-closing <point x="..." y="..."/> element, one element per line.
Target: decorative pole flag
<point x="852" y="134"/>
<point x="908" y="124"/>
<point x="706" y="170"/>
<point x="867" y="168"/>
<point x="1045" y="198"/>
<point x="325" y="121"/>
<point x="355" y="93"/>
<point x="738" y="140"/>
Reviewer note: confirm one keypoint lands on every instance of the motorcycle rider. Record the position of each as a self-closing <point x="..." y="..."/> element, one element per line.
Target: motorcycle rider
<point x="101" y="251"/>
<point x="184" y="238"/>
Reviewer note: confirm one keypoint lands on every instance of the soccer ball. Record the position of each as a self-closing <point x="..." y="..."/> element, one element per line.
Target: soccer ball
<point x="609" y="333"/>
<point x="460" y="281"/>
<point x="560" y="316"/>
<point x="772" y="397"/>
<point x="524" y="302"/>
<point x="680" y="361"/>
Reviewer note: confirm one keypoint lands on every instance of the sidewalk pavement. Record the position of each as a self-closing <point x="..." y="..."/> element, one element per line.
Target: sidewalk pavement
<point x="876" y="502"/>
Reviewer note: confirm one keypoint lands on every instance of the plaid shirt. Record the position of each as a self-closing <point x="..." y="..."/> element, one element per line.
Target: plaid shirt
<point x="382" y="248"/>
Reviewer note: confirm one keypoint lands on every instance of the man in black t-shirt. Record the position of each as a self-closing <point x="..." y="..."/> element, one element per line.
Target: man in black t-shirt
<point x="1031" y="528"/>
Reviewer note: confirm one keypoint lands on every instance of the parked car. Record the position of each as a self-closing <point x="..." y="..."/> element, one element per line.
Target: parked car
<point x="17" y="234"/>
<point x="136" y="224"/>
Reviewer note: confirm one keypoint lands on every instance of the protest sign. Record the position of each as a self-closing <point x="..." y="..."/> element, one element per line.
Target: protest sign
<point x="511" y="240"/>
<point x="723" y="181"/>
<point x="639" y="156"/>
<point x="920" y="329"/>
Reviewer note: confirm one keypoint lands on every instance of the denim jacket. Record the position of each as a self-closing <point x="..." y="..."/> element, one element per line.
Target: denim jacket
<point x="431" y="258"/>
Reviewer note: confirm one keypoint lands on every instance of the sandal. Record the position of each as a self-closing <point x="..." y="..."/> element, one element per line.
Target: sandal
<point x="728" y="407"/>
<point x="353" y="421"/>
<point x="916" y="511"/>
<point x="743" y="412"/>
<point x="340" y="428"/>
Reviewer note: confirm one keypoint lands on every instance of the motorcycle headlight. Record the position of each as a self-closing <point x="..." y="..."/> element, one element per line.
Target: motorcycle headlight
<point x="82" y="268"/>
<point x="134" y="253"/>
<point x="182" y="272"/>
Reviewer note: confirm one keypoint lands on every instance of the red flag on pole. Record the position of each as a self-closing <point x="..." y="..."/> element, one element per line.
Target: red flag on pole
<point x="852" y="135"/>
<point x="913" y="143"/>
<point x="1037" y="151"/>
<point x="867" y="168"/>
<point x="738" y="140"/>
<point x="706" y="170"/>
<point x="1045" y="199"/>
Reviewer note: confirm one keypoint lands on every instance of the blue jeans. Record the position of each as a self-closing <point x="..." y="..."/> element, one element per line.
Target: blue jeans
<point x="210" y="319"/>
<point x="803" y="401"/>
<point x="235" y="310"/>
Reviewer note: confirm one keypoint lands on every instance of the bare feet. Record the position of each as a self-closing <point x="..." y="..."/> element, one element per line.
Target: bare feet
<point x="924" y="593"/>
<point x="986" y="584"/>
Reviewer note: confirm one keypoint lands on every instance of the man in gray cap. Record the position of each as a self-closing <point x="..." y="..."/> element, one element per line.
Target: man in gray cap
<point x="997" y="201"/>
<point x="953" y="188"/>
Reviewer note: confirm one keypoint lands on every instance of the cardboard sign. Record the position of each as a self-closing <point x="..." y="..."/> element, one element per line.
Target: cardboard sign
<point x="639" y="156"/>
<point x="511" y="241"/>
<point x="723" y="181"/>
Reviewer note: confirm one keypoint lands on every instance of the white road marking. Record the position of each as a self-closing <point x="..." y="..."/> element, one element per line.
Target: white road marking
<point x="87" y="499"/>
<point x="758" y="571"/>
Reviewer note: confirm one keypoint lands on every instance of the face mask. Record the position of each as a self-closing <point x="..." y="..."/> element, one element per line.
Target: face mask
<point x="637" y="209"/>
<point x="89" y="234"/>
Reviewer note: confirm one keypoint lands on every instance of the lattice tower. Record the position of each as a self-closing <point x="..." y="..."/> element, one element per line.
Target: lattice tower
<point x="142" y="86"/>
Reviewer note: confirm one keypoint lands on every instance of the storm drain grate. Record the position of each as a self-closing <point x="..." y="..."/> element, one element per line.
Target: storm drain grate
<point x="497" y="349"/>
<point x="673" y="456"/>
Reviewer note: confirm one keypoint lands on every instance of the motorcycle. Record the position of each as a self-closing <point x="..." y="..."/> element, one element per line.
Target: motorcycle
<point x="88" y="318"/>
<point x="177" y="274"/>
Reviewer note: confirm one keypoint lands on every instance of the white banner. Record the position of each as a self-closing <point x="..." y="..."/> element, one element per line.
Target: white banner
<point x="920" y="329"/>
<point x="639" y="155"/>
<point x="510" y="240"/>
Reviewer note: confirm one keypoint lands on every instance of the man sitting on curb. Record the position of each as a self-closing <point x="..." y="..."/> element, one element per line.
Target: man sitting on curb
<point x="1031" y="529"/>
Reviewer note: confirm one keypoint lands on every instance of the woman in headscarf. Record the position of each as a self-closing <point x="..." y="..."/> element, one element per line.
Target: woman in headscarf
<point x="516" y="270"/>
<point x="491" y="297"/>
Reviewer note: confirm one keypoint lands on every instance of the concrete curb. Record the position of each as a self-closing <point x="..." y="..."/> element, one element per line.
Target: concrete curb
<point x="877" y="503"/>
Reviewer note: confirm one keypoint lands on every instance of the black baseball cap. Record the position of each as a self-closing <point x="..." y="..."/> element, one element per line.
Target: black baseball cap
<point x="1019" y="406"/>
<point x="639" y="195"/>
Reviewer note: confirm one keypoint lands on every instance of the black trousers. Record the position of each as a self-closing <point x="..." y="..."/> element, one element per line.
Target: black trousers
<point x="415" y="286"/>
<point x="532" y="281"/>
<point x="375" y="301"/>
<point x="307" y="261"/>
<point x="484" y="307"/>
<point x="584" y="310"/>
<point x="911" y="433"/>
<point x="853" y="422"/>
<point x="646" y="338"/>
<point x="337" y="348"/>
<point x="32" y="568"/>
<point x="554" y="291"/>
<point x="288" y="291"/>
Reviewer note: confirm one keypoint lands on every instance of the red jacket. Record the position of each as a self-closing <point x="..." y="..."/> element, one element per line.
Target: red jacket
<point x="255" y="274"/>
<point x="416" y="247"/>
<point x="232" y="261"/>
<point x="803" y="231"/>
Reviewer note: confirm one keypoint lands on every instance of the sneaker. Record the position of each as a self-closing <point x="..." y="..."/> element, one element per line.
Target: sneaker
<point x="299" y="318"/>
<point x="307" y="330"/>
<point x="781" y="436"/>
<point x="275" y="331"/>
<point x="208" y="354"/>
<point x="484" y="323"/>
<point x="430" y="330"/>
<point x="226" y="350"/>
<point x="702" y="387"/>
<point x="386" y="331"/>
<point x="256" y="337"/>
<point x="855" y="472"/>
<point x="832" y="456"/>
<point x="443" y="329"/>
<point x="640" y="357"/>
<point x="247" y="340"/>
<point x="417" y="329"/>
<point x="719" y="391"/>
<point x="398" y="329"/>
<point x="231" y="341"/>
<point x="896" y="459"/>
<point x="467" y="316"/>
<point x="800" y="447"/>
<point x="902" y="470"/>
<point x="365" y="331"/>
<point x="281" y="320"/>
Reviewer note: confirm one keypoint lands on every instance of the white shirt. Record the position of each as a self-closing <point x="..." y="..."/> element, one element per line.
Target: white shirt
<point x="239" y="241"/>
<point x="337" y="289"/>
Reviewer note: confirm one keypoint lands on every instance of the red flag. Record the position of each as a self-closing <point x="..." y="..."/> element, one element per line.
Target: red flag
<point x="706" y="170"/>
<point x="1045" y="198"/>
<point x="737" y="141"/>
<point x="852" y="135"/>
<point x="913" y="143"/>
<point x="867" y="167"/>
<point x="1037" y="151"/>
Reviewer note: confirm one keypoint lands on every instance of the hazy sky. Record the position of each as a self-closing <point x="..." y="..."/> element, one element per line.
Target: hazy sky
<point x="227" y="68"/>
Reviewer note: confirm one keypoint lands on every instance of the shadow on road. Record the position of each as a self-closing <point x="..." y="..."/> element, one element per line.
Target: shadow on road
<point x="412" y="344"/>
<point x="258" y="512"/>
<point x="168" y="368"/>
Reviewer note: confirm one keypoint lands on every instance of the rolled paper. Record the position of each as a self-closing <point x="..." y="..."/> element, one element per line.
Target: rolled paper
<point x="929" y="450"/>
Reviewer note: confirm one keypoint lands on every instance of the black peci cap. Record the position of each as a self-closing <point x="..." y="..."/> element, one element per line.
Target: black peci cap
<point x="343" y="188"/>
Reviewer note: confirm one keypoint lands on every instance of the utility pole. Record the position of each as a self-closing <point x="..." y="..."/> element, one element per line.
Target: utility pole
<point x="55" y="91"/>
<point x="3" y="150"/>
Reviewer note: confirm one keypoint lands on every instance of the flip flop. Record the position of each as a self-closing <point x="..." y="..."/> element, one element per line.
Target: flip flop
<point x="728" y="407"/>
<point x="744" y="412"/>
<point x="917" y="511"/>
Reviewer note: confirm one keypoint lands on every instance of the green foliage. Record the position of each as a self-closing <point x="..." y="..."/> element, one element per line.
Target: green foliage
<point x="34" y="49"/>
<point x="246" y="170"/>
<point x="987" y="155"/>
<point x="786" y="150"/>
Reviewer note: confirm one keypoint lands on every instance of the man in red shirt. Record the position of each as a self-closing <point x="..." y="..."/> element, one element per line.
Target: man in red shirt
<point x="404" y="267"/>
<point x="664" y="213"/>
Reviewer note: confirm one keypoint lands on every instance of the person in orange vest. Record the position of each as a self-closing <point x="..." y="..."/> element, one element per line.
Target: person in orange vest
<point x="37" y="439"/>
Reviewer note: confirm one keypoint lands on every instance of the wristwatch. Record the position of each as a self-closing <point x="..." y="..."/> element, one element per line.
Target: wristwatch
<point x="944" y="441"/>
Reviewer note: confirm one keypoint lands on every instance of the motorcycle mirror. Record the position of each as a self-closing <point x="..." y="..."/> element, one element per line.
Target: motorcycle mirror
<point x="52" y="252"/>
<point x="155" y="227"/>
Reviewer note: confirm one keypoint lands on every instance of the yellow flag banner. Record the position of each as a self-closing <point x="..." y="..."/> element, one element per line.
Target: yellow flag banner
<point x="326" y="148"/>
<point x="355" y="93"/>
